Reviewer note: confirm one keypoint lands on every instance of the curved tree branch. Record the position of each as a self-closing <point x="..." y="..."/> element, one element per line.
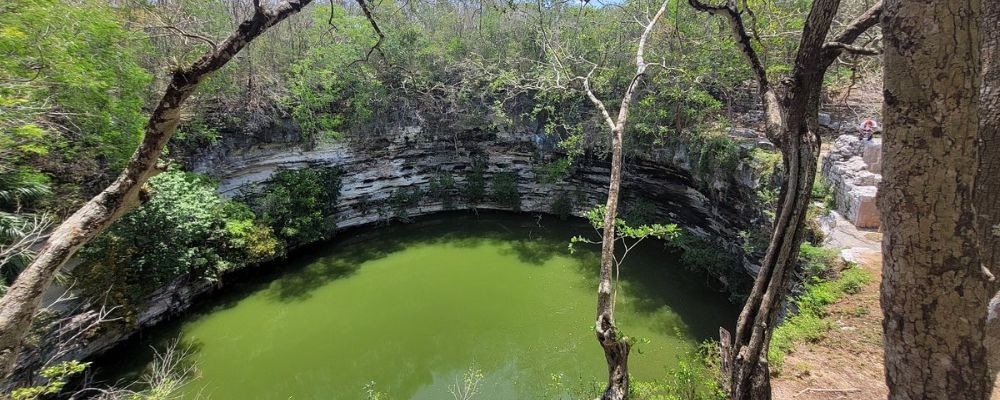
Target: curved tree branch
<point x="18" y="306"/>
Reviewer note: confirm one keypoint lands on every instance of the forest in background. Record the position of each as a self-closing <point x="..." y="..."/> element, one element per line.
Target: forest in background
<point x="444" y="66"/>
<point x="73" y="109"/>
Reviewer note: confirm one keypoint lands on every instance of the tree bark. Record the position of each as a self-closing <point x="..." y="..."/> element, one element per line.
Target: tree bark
<point x="934" y="288"/>
<point x="790" y="121"/>
<point x="616" y="348"/>
<point x="987" y="200"/>
<point x="19" y="305"/>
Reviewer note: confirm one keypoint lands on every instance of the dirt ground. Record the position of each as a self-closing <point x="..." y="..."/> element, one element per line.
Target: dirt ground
<point x="847" y="362"/>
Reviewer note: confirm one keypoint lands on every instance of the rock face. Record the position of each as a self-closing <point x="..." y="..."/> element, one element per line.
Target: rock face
<point x="853" y="169"/>
<point x="716" y="207"/>
<point x="372" y="172"/>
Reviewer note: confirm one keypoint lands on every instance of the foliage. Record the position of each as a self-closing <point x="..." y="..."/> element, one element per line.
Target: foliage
<point x="402" y="199"/>
<point x="768" y="165"/>
<point x="185" y="228"/>
<point x="562" y="206"/>
<point x="702" y="256"/>
<point x="72" y="81"/>
<point x="475" y="182"/>
<point x="20" y="192"/>
<point x="818" y="263"/>
<point x="713" y="152"/>
<point x="639" y="211"/>
<point x="469" y="385"/>
<point x="505" y="191"/>
<point x="623" y="230"/>
<point x="442" y="188"/>
<point x="371" y="392"/>
<point x="298" y="204"/>
<point x="56" y="376"/>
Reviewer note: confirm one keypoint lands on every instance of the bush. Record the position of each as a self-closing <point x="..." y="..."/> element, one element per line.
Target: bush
<point x="818" y="262"/>
<point x="442" y="188"/>
<point x="402" y="199"/>
<point x="505" y="191"/>
<point x="639" y="212"/>
<point x="562" y="206"/>
<point x="185" y="228"/>
<point x="475" y="182"/>
<point x="298" y="204"/>
<point x="699" y="255"/>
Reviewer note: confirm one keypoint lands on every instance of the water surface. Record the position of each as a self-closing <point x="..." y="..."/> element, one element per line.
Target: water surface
<point x="411" y="308"/>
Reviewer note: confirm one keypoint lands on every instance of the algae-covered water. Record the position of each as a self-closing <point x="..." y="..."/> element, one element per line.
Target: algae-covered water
<point x="409" y="309"/>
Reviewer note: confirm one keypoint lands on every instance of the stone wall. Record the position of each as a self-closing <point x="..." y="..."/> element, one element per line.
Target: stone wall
<point x="852" y="168"/>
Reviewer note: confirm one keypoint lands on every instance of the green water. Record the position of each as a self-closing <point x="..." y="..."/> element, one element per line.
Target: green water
<point x="413" y="307"/>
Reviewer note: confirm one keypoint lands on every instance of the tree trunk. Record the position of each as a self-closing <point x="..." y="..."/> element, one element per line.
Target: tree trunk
<point x="987" y="200"/>
<point x="22" y="300"/>
<point x="616" y="348"/>
<point x="790" y="121"/>
<point x="750" y="376"/>
<point x="934" y="289"/>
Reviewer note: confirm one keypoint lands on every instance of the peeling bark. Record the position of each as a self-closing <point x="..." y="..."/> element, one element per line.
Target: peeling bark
<point x="934" y="288"/>
<point x="23" y="298"/>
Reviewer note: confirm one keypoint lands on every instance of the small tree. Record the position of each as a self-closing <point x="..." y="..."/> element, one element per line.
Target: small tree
<point x="616" y="346"/>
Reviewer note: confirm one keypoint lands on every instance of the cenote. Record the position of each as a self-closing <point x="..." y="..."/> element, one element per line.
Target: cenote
<point x="409" y="308"/>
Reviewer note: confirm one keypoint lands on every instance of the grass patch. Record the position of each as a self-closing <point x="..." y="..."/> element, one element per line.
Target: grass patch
<point x="810" y="324"/>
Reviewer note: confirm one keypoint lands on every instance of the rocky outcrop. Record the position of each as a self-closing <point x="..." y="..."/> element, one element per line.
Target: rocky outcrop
<point x="716" y="207"/>
<point x="372" y="172"/>
<point x="852" y="168"/>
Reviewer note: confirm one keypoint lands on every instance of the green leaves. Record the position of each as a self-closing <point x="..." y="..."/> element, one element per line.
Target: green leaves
<point x="597" y="214"/>
<point x="297" y="204"/>
<point x="57" y="377"/>
<point x="185" y="228"/>
<point x="73" y="70"/>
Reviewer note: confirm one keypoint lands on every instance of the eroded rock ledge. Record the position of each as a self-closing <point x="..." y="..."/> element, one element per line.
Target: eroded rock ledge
<point x="716" y="207"/>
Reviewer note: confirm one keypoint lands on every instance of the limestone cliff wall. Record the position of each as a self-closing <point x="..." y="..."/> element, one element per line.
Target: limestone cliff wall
<point x="716" y="207"/>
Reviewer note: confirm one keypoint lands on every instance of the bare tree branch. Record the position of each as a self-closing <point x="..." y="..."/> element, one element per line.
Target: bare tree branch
<point x="850" y="48"/>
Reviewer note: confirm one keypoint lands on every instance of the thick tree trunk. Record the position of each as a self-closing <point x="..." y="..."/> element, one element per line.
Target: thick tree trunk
<point x="19" y="305"/>
<point x="934" y="289"/>
<point x="616" y="348"/>
<point x="987" y="198"/>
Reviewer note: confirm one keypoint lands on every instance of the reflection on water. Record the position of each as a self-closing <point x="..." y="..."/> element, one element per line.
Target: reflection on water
<point x="413" y="307"/>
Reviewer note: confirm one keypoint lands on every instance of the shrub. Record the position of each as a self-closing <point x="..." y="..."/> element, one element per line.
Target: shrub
<point x="562" y="206"/>
<point x="298" y="204"/>
<point x="699" y="255"/>
<point x="505" y="191"/>
<point x="818" y="262"/>
<point x="475" y="182"/>
<point x="185" y="228"/>
<point x="441" y="188"/>
<point x="639" y="212"/>
<point x="402" y="199"/>
<point x="714" y="151"/>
